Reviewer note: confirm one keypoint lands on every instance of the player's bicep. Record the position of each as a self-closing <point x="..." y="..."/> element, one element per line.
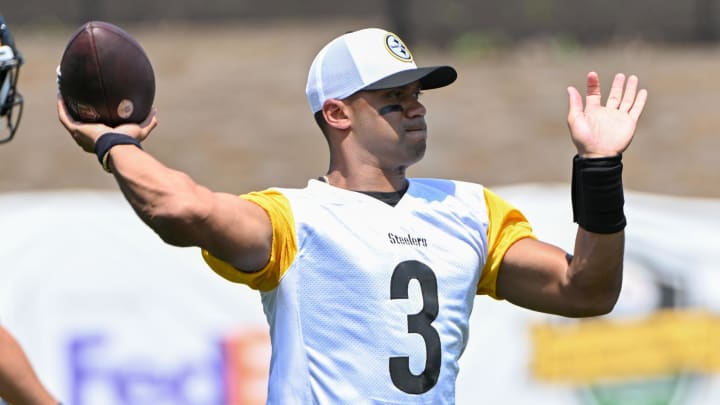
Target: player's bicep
<point x="238" y="232"/>
<point x="532" y="275"/>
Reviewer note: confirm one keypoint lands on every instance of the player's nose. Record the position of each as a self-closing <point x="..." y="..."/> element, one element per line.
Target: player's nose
<point x="414" y="108"/>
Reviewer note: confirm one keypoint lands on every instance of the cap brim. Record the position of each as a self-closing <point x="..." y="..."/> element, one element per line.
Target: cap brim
<point x="431" y="77"/>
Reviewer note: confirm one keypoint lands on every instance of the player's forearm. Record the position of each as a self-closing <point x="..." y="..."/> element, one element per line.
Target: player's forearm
<point x="24" y="389"/>
<point x="168" y="201"/>
<point x="594" y="276"/>
<point x="18" y="382"/>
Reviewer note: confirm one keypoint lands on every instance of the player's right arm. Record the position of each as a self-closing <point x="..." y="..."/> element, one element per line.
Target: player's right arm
<point x="18" y="382"/>
<point x="181" y="211"/>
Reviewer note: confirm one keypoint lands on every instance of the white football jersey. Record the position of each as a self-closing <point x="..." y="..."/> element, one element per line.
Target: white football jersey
<point x="369" y="303"/>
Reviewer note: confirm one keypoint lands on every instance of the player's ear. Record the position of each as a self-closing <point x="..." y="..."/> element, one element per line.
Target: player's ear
<point x="335" y="114"/>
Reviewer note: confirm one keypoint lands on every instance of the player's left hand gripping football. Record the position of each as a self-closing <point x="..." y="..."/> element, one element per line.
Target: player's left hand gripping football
<point x="86" y="134"/>
<point x="598" y="130"/>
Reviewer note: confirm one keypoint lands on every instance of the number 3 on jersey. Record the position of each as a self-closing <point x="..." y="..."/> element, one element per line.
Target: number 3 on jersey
<point x="419" y="323"/>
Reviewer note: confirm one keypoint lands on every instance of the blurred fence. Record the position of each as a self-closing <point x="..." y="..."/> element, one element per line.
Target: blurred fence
<point x="441" y="23"/>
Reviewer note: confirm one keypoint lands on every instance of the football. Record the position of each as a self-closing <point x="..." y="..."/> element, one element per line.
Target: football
<point x="105" y="76"/>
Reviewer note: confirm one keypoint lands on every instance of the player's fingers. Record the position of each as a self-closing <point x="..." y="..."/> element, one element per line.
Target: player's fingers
<point x="63" y="115"/>
<point x="141" y="130"/>
<point x="593" y="95"/>
<point x="84" y="134"/>
<point x="148" y="124"/>
<point x="616" y="91"/>
<point x="575" y="106"/>
<point x="72" y="128"/>
<point x="150" y="121"/>
<point x="639" y="104"/>
<point x="630" y="91"/>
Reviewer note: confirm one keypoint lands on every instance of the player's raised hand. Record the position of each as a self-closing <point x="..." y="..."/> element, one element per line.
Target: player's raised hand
<point x="607" y="130"/>
<point x="86" y="134"/>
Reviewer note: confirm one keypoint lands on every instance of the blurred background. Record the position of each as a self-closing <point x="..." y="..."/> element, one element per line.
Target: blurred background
<point x="230" y="96"/>
<point x="231" y="78"/>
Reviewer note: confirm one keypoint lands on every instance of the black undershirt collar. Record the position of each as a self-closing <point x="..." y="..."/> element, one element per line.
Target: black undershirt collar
<point x="388" y="197"/>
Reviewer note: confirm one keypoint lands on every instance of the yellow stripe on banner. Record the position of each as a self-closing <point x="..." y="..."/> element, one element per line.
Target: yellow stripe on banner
<point x="590" y="351"/>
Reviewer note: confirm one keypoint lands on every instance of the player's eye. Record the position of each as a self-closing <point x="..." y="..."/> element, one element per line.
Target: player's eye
<point x="395" y="95"/>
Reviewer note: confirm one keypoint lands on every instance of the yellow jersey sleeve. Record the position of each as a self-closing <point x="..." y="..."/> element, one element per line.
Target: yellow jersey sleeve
<point x="284" y="244"/>
<point x="506" y="225"/>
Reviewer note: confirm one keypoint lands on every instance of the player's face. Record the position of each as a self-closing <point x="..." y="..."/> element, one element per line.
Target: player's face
<point x="390" y="124"/>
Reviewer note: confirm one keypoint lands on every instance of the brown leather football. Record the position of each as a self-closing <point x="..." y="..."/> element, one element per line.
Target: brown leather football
<point x="105" y="76"/>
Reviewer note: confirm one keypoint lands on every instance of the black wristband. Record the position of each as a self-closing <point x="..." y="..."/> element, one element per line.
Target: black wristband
<point x="107" y="141"/>
<point x="597" y="194"/>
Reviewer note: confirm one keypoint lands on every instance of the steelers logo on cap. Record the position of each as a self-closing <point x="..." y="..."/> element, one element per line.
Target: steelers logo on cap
<point x="397" y="48"/>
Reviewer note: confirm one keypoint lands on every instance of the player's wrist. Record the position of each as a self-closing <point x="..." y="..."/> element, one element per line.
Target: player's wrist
<point x="597" y="193"/>
<point x="109" y="140"/>
<point x="597" y="155"/>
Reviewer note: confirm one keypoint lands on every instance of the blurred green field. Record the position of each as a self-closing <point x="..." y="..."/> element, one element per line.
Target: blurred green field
<point x="233" y="114"/>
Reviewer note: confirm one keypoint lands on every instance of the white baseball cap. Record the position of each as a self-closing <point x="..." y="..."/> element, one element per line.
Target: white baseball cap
<point x="368" y="59"/>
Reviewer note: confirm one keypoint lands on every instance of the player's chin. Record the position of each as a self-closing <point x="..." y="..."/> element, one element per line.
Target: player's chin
<point x="418" y="150"/>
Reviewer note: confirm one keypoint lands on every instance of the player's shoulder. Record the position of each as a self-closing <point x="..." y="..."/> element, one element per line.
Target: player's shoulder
<point x="310" y="191"/>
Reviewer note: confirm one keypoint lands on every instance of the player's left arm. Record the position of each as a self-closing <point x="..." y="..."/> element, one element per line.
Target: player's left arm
<point x="543" y="277"/>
